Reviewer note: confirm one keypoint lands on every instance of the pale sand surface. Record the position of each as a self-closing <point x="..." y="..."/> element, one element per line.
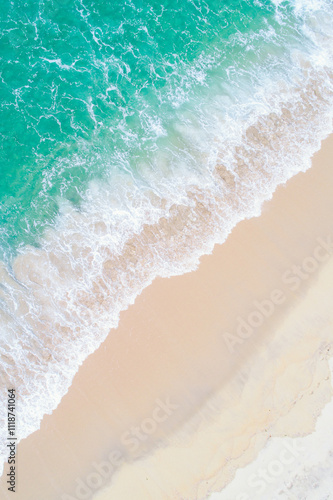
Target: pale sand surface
<point x="171" y="344"/>
<point x="289" y="468"/>
<point x="237" y="422"/>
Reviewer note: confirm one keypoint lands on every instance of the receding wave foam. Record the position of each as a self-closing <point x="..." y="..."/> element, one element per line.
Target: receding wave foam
<point x="59" y="301"/>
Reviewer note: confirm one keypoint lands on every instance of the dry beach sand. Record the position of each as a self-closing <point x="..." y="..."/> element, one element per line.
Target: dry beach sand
<point x="204" y="367"/>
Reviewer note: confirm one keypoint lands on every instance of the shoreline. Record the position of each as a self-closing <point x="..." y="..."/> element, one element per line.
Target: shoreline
<point x="169" y="357"/>
<point x="70" y="292"/>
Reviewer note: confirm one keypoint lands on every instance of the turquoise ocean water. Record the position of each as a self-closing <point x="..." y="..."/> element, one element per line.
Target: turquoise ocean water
<point x="134" y="136"/>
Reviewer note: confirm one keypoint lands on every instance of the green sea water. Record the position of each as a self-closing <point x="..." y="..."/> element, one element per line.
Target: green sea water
<point x="90" y="87"/>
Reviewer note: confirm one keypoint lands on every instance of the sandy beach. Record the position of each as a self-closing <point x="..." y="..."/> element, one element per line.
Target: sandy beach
<point x="204" y="368"/>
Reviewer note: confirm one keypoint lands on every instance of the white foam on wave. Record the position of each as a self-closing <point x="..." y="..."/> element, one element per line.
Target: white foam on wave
<point x="60" y="301"/>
